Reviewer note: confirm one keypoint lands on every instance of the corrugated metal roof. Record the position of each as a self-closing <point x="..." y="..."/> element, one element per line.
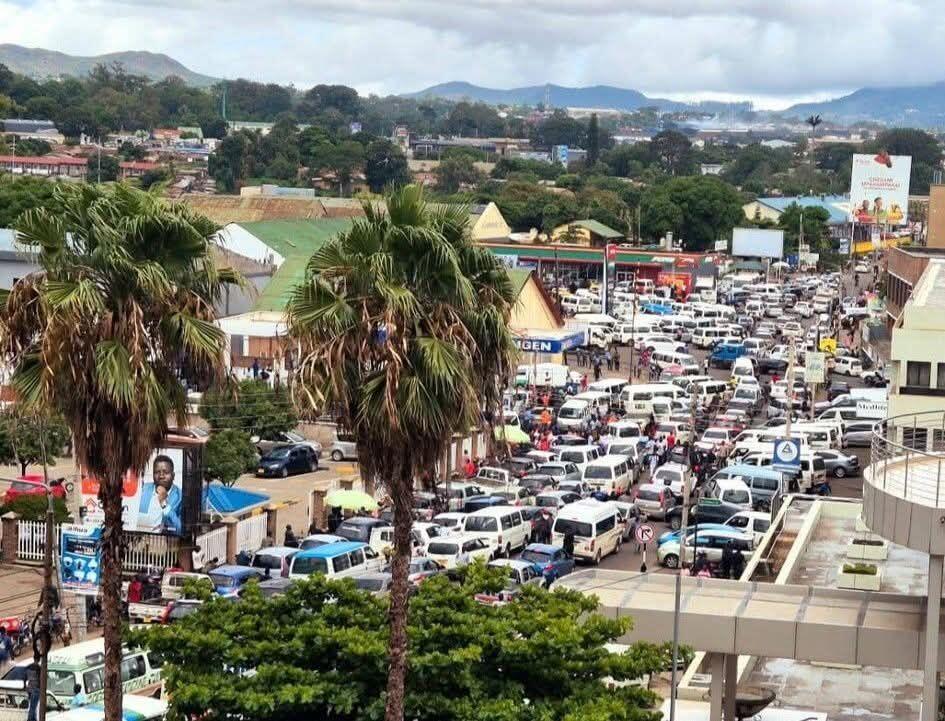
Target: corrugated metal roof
<point x="838" y="206"/>
<point x="597" y="228"/>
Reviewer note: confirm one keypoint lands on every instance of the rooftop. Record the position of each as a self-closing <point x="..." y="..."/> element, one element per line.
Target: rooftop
<point x="929" y="291"/>
<point x="597" y="228"/>
<point x="838" y="206"/>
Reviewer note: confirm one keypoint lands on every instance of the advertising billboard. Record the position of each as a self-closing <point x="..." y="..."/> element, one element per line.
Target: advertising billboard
<point x="757" y="243"/>
<point x="165" y="498"/>
<point x="879" y="189"/>
<point x="80" y="561"/>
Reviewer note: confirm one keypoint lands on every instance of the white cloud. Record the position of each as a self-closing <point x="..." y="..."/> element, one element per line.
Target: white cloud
<point x="679" y="47"/>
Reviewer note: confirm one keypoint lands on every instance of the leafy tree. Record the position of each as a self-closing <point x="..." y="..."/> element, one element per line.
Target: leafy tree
<point x="153" y="177"/>
<point x="385" y="165"/>
<point x="629" y="160"/>
<point x="132" y="151"/>
<point x="33" y="508"/>
<point x="22" y="435"/>
<point x="33" y="147"/>
<point x="816" y="231"/>
<point x="403" y="327"/>
<point x="700" y="209"/>
<point x="456" y="171"/>
<point x="213" y="126"/>
<point x="593" y="140"/>
<point x="18" y="194"/>
<point x="320" y="654"/>
<point x="559" y="129"/>
<point x="756" y="163"/>
<point x="510" y="166"/>
<point x="227" y="455"/>
<point x="102" y="168"/>
<point x="232" y="161"/>
<point x="126" y="289"/>
<point x="252" y="406"/>
<point x="473" y="119"/>
<point x="42" y="107"/>
<point x="322" y="98"/>
<point x="344" y="159"/>
<point x="673" y="152"/>
<point x="259" y="101"/>
<point x="924" y="148"/>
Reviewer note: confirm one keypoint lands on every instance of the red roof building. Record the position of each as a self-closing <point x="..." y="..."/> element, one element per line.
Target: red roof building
<point x="45" y="165"/>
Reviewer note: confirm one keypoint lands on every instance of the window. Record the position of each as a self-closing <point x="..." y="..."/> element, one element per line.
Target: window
<point x="918" y="373"/>
<point x="606" y="524"/>
<point x="738" y="522"/>
<point x="357" y="558"/>
<point x="940" y="376"/>
<point x="341" y="563"/>
<point x="132" y="668"/>
<point x="915" y="438"/>
<point x="506" y="522"/>
<point x="94" y="680"/>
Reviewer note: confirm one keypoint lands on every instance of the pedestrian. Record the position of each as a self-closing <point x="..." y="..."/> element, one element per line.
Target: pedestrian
<point x="32" y="688"/>
<point x="313" y="528"/>
<point x="616" y="358"/>
<point x="569" y="543"/>
<point x="654" y="462"/>
<point x="135" y="589"/>
<point x="78" y="699"/>
<point x="583" y="382"/>
<point x="609" y="359"/>
<point x="597" y="365"/>
<point x="705" y="366"/>
<point x="671" y="440"/>
<point x="255" y="368"/>
<point x="290" y="539"/>
<point x="738" y="563"/>
<point x="469" y="468"/>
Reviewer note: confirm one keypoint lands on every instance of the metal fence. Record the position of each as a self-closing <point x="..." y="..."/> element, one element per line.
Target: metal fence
<point x="213" y="544"/>
<point x="250" y="533"/>
<point x="31" y="540"/>
<point x="907" y="454"/>
<point x="150" y="550"/>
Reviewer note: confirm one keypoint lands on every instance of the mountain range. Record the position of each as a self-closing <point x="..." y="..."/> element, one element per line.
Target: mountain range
<point x="911" y="105"/>
<point x="42" y="64"/>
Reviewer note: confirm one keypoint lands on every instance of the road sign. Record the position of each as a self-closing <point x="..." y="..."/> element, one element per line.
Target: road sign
<point x="611" y="252"/>
<point x="814" y="367"/>
<point x="787" y="453"/>
<point x="645" y="533"/>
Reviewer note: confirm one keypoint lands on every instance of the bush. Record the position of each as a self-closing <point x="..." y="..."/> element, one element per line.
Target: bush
<point x="864" y="569"/>
<point x="33" y="508"/>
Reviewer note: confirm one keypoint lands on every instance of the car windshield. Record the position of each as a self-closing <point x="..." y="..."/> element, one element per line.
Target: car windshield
<point x="352" y="532"/>
<point x="546" y="501"/>
<point x="552" y="470"/>
<point x="565" y="525"/>
<point x="648" y="495"/>
<point x="536" y="556"/>
<point x="221" y="581"/>
<point x="715" y="435"/>
<point x="736" y="496"/>
<point x="281" y="452"/>
<point x="266" y="560"/>
<point x="599" y="472"/>
<point x="369" y="584"/>
<point x="442" y="548"/>
<point x="573" y="456"/>
<point x="572" y="412"/>
<point x="294" y="437"/>
<point x="309" y="565"/>
<point x="481" y="524"/>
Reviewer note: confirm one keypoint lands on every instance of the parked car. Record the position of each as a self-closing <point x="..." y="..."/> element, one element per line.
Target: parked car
<point x="561" y="470"/>
<point x="377" y="583"/>
<point x="32" y="485"/>
<point x="228" y="580"/>
<point x="859" y="434"/>
<point x="459" y="550"/>
<point x="551" y="561"/>
<point x="285" y="461"/>
<point x="712" y="543"/>
<point x="420" y="569"/>
<point x="343" y="448"/>
<point x="286" y="438"/>
<point x="839" y="464"/>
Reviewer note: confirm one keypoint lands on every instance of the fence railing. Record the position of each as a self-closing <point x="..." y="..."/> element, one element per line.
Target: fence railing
<point x="213" y="544"/>
<point x="250" y="532"/>
<point x="31" y="540"/>
<point x="150" y="550"/>
<point x="907" y="454"/>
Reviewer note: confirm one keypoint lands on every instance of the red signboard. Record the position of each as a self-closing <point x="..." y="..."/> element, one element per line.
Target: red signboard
<point x="611" y="253"/>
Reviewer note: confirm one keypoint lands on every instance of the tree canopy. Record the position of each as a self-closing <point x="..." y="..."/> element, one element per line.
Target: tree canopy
<point x="699" y="209"/>
<point x="252" y="406"/>
<point x="319" y="652"/>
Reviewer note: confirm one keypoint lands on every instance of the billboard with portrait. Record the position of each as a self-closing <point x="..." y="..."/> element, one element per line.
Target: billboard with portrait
<point x="879" y="189"/>
<point x="152" y="502"/>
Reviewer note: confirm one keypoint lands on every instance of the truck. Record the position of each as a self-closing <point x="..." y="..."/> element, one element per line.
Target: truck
<point x="595" y="336"/>
<point x="150" y="609"/>
<point x="541" y="374"/>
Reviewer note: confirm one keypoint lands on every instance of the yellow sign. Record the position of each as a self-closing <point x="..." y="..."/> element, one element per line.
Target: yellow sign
<point x="828" y="345"/>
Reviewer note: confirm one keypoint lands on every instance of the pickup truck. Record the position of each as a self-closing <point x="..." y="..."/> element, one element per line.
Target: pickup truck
<point x="150" y="609"/>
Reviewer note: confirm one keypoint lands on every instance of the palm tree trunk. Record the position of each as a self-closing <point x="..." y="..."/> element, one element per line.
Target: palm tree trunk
<point x="111" y="594"/>
<point x="402" y="497"/>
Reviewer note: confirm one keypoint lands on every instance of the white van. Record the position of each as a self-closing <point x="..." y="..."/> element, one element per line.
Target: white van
<point x="660" y="408"/>
<point x="742" y="366"/>
<point x="621" y="431"/>
<point x="336" y="560"/>
<point x="459" y="550"/>
<point x="574" y="414"/>
<point x="607" y="323"/>
<point x="610" y="386"/>
<point x="706" y="390"/>
<point x="542" y="374"/>
<point x="729" y="490"/>
<point x="599" y="401"/>
<point x="848" y="366"/>
<point x="595" y="529"/>
<point x="578" y="455"/>
<point x="501" y="526"/>
<point x="708" y="337"/>
<point x="649" y="391"/>
<point x="610" y="474"/>
<point x="755" y="308"/>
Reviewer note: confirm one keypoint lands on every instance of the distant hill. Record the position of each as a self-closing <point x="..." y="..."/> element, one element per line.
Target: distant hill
<point x="916" y="105"/>
<point x="595" y="96"/>
<point x="41" y="64"/>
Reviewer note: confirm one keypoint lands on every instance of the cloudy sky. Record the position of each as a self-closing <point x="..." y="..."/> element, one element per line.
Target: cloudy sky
<point x="774" y="51"/>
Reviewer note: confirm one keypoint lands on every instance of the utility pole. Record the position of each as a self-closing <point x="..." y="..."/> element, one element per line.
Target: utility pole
<point x="790" y="388"/>
<point x="693" y="402"/>
<point x="46" y="623"/>
<point x="99" y="160"/>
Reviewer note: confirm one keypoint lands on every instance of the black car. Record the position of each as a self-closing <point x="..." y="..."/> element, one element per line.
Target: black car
<point x="287" y="460"/>
<point x="767" y="366"/>
<point x="708" y="510"/>
<point x="537" y="482"/>
<point x="837" y="388"/>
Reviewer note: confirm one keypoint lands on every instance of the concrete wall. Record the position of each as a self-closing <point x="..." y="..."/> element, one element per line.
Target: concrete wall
<point x="936" y="229"/>
<point x="11" y="270"/>
<point x="531" y="311"/>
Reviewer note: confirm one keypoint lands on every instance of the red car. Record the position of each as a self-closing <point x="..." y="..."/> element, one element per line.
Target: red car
<point x="32" y="486"/>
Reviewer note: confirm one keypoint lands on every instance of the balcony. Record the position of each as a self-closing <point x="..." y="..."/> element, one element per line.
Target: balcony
<point x="904" y="485"/>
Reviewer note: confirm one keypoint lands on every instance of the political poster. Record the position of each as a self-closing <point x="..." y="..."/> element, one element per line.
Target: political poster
<point x="151" y="503"/>
<point x="879" y="189"/>
<point x="80" y="558"/>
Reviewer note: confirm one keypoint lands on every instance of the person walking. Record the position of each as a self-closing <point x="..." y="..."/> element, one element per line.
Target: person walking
<point x="616" y="358"/>
<point x="597" y="365"/>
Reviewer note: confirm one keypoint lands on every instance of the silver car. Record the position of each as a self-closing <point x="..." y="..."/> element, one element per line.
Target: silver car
<point x="859" y="434"/>
<point x="560" y="471"/>
<point x="344" y="447"/>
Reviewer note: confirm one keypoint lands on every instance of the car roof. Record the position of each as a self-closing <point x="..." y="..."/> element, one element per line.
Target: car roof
<point x="276" y="551"/>
<point x="363" y="521"/>
<point x="494" y="510"/>
<point x="330" y="550"/>
<point x="235" y="571"/>
<point x="542" y="548"/>
<point x="511" y="563"/>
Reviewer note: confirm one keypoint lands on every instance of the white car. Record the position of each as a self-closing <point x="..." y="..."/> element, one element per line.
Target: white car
<point x="862" y="268"/>
<point x="451" y="522"/>
<point x="710" y="542"/>
<point x="803" y="309"/>
<point x="792" y="329"/>
<point x="848" y="366"/>
<point x="460" y="550"/>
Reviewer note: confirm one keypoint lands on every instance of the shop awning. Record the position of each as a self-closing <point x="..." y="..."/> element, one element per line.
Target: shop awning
<point x="229" y="501"/>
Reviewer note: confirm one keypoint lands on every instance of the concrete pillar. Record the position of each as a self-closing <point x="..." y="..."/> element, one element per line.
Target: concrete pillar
<point x="11" y="537"/>
<point x="317" y="513"/>
<point x="731" y="685"/>
<point x="930" y="672"/>
<point x="272" y="522"/>
<point x="231" y="551"/>
<point x="716" y="687"/>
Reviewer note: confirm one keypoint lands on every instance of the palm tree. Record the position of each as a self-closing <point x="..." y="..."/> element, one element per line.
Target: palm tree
<point x="813" y="121"/>
<point x="403" y="325"/>
<point x="125" y="293"/>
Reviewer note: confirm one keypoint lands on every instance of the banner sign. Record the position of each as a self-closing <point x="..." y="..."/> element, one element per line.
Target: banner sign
<point x="879" y="189"/>
<point x="80" y="560"/>
<point x="814" y="367"/>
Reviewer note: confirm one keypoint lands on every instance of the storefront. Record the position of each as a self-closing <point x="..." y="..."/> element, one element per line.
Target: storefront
<point x="542" y="346"/>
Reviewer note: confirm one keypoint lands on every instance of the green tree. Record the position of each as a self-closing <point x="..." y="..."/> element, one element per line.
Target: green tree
<point x="455" y="172"/>
<point x="593" y="141"/>
<point x="559" y="129"/>
<point x="630" y="160"/>
<point x="33" y="508"/>
<point x="924" y="148"/>
<point x="318" y="652"/>
<point x="153" y="177"/>
<point x="344" y="159"/>
<point x="227" y="455"/>
<point x="385" y="165"/>
<point x="102" y="168"/>
<point x="18" y="194"/>
<point x="24" y="435"/>
<point x="816" y="231"/>
<point x="126" y="289"/>
<point x="33" y="147"/>
<point x="403" y="326"/>
<point x="673" y="152"/>
<point x="252" y="406"/>
<point x="132" y="151"/>
<point x="322" y="98"/>
<point x="699" y="209"/>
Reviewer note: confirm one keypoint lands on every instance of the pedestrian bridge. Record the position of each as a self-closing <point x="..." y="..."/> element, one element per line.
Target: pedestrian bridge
<point x="762" y="619"/>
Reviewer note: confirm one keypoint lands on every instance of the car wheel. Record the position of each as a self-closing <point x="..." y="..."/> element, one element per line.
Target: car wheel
<point x="312" y="466"/>
<point x="597" y="558"/>
<point x="671" y="561"/>
<point x="839" y="472"/>
<point x="675" y="523"/>
<point x="618" y="544"/>
<point x="508" y="550"/>
<point x="337" y="456"/>
<point x="284" y="472"/>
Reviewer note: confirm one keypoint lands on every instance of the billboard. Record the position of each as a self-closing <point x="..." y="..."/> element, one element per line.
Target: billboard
<point x="156" y="501"/>
<point x="757" y="243"/>
<point x="80" y="560"/>
<point x="879" y="189"/>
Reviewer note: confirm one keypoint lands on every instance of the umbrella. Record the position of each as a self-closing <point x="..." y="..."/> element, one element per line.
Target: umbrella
<point x="780" y="264"/>
<point x="351" y="500"/>
<point x="512" y="434"/>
